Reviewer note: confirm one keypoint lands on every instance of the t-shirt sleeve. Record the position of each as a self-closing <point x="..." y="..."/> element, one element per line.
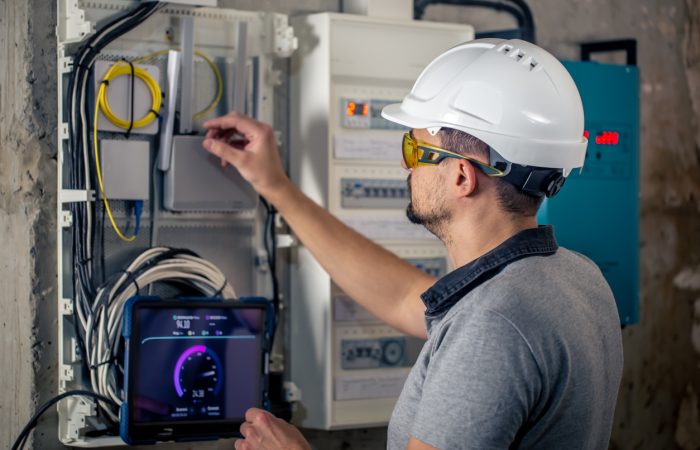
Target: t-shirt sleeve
<point x="480" y="384"/>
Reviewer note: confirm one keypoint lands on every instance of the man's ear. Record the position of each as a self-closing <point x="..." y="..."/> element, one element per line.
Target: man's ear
<point x="465" y="179"/>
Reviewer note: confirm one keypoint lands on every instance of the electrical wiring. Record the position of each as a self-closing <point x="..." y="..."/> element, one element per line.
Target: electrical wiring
<point x="215" y="70"/>
<point x="80" y="175"/>
<point x="118" y="70"/>
<point x="517" y="8"/>
<point x="104" y="322"/>
<point x="270" y="244"/>
<point x="24" y="434"/>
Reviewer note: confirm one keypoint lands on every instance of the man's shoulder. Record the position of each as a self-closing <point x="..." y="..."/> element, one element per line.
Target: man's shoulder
<point x="543" y="293"/>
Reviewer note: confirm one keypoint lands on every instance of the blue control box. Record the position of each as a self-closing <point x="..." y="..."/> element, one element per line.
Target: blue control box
<point x="597" y="211"/>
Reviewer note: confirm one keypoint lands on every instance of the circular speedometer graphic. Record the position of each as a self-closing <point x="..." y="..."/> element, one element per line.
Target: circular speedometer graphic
<point x="198" y="373"/>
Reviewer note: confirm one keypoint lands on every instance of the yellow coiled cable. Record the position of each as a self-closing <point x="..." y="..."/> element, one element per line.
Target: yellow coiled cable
<point x="120" y="69"/>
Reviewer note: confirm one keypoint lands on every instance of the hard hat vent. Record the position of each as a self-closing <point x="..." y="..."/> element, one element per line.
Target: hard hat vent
<point x="519" y="55"/>
<point x="505" y="49"/>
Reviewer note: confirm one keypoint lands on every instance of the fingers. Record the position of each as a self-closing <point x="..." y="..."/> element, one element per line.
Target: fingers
<point x="223" y="151"/>
<point x="242" y="444"/>
<point x="250" y="433"/>
<point x="254" y="415"/>
<point x="247" y="126"/>
<point x="257" y="426"/>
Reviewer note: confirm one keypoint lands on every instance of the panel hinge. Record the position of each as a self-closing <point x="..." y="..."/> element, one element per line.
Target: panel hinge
<point x="72" y="26"/>
<point x="67" y="306"/>
<point x="286" y="241"/>
<point x="76" y="195"/>
<point x="292" y="393"/>
<point x="76" y="410"/>
<point x="63" y="131"/>
<point x="67" y="373"/>
<point x="65" y="64"/>
<point x="284" y="43"/>
<point x="66" y="219"/>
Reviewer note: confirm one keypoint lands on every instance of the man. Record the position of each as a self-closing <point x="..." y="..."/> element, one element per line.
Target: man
<point x="523" y="340"/>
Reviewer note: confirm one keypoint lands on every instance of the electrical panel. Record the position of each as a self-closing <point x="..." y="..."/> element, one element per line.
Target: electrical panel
<point x="142" y="178"/>
<point x="349" y="367"/>
<point x="597" y="211"/>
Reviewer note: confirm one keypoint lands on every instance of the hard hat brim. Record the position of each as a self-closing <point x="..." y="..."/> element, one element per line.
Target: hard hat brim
<point x="394" y="113"/>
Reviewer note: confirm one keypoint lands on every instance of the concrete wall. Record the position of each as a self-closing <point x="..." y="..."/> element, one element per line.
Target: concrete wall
<point x="658" y="406"/>
<point x="27" y="211"/>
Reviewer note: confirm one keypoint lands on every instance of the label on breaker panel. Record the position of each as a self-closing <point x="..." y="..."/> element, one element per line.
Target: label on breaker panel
<point x="359" y="388"/>
<point x="373" y="193"/>
<point x="371" y="148"/>
<point x="373" y="353"/>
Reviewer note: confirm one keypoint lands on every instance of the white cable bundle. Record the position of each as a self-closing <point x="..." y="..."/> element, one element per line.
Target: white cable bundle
<point x="104" y="323"/>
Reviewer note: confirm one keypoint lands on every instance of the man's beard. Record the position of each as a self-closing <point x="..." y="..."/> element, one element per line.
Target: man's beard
<point x="435" y="220"/>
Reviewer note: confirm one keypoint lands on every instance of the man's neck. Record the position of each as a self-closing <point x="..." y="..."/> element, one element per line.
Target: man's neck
<point x="474" y="237"/>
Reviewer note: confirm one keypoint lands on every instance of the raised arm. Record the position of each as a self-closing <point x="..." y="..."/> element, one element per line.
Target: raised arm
<point x="380" y="281"/>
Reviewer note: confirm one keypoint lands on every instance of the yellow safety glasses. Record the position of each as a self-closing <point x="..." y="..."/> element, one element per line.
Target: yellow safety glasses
<point x="417" y="153"/>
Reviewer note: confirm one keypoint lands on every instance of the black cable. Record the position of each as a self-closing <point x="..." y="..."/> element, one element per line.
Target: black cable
<point x="529" y="20"/>
<point x="270" y="244"/>
<point x="82" y="64"/>
<point x="518" y="9"/>
<point x="420" y="7"/>
<point x="24" y="434"/>
<point x="131" y="115"/>
<point x="79" y="108"/>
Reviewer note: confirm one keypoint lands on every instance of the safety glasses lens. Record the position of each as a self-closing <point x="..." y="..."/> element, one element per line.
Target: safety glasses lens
<point x="409" y="151"/>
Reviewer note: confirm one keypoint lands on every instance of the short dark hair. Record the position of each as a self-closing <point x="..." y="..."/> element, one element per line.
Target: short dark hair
<point x="510" y="198"/>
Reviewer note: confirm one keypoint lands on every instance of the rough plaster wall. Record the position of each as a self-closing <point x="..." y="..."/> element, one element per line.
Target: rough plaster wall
<point x="27" y="217"/>
<point x="658" y="407"/>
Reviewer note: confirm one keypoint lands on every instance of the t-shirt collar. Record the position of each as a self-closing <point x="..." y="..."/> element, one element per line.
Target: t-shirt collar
<point x="449" y="289"/>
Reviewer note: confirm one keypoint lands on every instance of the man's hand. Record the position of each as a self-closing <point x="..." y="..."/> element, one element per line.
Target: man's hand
<point x="249" y="146"/>
<point x="263" y="431"/>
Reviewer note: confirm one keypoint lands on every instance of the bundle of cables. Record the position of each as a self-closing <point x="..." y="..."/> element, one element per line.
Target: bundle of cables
<point x="81" y="169"/>
<point x="102" y="325"/>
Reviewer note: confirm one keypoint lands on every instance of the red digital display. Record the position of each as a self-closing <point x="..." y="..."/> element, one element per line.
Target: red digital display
<point x="605" y="137"/>
<point x="357" y="109"/>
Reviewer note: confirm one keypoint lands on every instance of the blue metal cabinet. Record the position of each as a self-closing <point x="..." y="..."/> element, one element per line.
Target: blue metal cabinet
<point x="597" y="211"/>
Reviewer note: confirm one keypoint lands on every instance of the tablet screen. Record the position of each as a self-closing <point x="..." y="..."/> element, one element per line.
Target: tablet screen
<point x="195" y="364"/>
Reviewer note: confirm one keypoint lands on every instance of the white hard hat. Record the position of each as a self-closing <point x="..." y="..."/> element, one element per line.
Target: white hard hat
<point x="511" y="94"/>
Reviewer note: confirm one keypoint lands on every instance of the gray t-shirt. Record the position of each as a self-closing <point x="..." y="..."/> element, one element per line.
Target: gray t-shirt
<point x="529" y="358"/>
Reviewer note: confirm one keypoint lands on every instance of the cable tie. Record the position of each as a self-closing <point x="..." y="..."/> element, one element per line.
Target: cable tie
<point x="108" y="361"/>
<point x="131" y="116"/>
<point x="105" y="82"/>
<point x="155" y="113"/>
<point x="221" y="289"/>
<point x="131" y="278"/>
